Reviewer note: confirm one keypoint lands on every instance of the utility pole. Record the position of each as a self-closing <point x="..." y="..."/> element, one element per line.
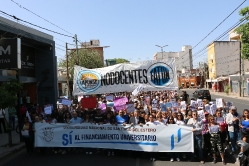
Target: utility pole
<point x="68" y="90"/>
<point x="162" y="49"/>
<point x="243" y="77"/>
<point x="76" y="43"/>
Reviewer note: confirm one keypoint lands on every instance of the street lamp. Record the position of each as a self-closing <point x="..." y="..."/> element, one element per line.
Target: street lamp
<point x="162" y="48"/>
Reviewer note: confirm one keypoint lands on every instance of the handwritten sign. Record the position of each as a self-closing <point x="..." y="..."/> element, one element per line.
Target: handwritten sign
<point x="130" y="107"/>
<point x="66" y="102"/>
<point x="219" y="103"/>
<point x="193" y="104"/>
<point x="199" y="102"/>
<point x="207" y="108"/>
<point x="109" y="98"/>
<point x="213" y="108"/>
<point x="120" y="103"/>
<point x="48" y="110"/>
<point x="183" y="105"/>
<point x="103" y="107"/>
<point x="201" y="114"/>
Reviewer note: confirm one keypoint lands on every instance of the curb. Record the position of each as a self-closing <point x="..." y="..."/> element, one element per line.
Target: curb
<point x="12" y="151"/>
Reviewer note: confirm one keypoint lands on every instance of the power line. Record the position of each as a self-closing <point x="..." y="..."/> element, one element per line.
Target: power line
<point x="40" y="17"/>
<point x="219" y="24"/>
<point x="35" y="24"/>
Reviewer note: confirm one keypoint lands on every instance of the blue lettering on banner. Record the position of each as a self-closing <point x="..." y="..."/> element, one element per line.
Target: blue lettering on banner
<point x="160" y="75"/>
<point x="67" y="138"/>
<point x="178" y="138"/>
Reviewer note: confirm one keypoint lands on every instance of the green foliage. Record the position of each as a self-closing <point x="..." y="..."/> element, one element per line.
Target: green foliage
<point x="8" y="93"/>
<point x="121" y="60"/>
<point x="243" y="30"/>
<point x="86" y="58"/>
<point x="227" y="89"/>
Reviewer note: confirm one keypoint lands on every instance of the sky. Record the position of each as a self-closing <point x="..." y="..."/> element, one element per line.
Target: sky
<point x="131" y="28"/>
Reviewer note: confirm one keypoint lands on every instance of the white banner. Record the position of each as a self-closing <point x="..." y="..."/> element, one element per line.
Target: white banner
<point x="153" y="138"/>
<point x="154" y="75"/>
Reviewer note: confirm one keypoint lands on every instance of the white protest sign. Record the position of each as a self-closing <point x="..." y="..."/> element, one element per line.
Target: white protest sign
<point x="27" y="115"/>
<point x="138" y="89"/>
<point x="109" y="98"/>
<point x="175" y="106"/>
<point x="199" y="102"/>
<point x="66" y="102"/>
<point x="48" y="110"/>
<point x="213" y="108"/>
<point x="193" y="104"/>
<point x="183" y="105"/>
<point x="207" y="108"/>
<point x="201" y="114"/>
<point x="219" y="103"/>
<point x="130" y="107"/>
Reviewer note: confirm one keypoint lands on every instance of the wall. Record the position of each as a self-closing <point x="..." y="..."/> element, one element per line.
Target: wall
<point x="211" y="61"/>
<point x="227" y="57"/>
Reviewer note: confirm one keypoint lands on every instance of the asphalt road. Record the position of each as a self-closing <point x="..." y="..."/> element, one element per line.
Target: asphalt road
<point x="120" y="159"/>
<point x="241" y="104"/>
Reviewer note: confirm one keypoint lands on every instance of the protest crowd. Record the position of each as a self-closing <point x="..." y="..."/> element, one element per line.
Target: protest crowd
<point x="214" y="124"/>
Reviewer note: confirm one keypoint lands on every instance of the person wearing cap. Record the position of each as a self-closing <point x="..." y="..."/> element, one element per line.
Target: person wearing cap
<point x="233" y="120"/>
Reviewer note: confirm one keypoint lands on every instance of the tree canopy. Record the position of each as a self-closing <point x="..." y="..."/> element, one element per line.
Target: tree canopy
<point x="121" y="60"/>
<point x="8" y="93"/>
<point x="86" y="58"/>
<point x="243" y="30"/>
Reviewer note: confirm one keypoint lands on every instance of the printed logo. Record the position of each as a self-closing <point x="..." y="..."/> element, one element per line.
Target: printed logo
<point x="88" y="81"/>
<point x="48" y="134"/>
<point x="160" y="75"/>
<point x="176" y="138"/>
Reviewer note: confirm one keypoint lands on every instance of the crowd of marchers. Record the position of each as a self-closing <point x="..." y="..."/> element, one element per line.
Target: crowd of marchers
<point x="213" y="134"/>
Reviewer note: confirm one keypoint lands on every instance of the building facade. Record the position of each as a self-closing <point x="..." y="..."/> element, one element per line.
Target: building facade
<point x="224" y="63"/>
<point x="190" y="81"/>
<point x="183" y="59"/>
<point x="38" y="71"/>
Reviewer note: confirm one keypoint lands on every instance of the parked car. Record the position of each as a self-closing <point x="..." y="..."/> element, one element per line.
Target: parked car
<point x="202" y="94"/>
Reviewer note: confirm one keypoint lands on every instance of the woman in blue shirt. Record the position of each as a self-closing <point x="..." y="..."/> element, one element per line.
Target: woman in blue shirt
<point x="245" y="124"/>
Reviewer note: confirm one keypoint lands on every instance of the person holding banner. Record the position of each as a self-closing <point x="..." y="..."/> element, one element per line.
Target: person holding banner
<point x="136" y="119"/>
<point x="26" y="133"/>
<point x="215" y="140"/>
<point x="197" y="130"/>
<point x="121" y="118"/>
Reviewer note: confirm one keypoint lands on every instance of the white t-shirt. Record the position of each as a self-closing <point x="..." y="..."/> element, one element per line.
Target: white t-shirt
<point x="180" y="122"/>
<point x="151" y="123"/>
<point x="1" y="113"/>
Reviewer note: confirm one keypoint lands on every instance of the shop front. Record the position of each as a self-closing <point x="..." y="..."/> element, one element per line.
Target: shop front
<point x="36" y="66"/>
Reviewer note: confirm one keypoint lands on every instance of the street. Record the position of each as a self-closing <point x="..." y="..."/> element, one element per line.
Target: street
<point x="121" y="159"/>
<point x="241" y="104"/>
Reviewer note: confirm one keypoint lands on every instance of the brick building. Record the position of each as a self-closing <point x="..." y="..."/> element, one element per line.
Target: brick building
<point x="190" y="81"/>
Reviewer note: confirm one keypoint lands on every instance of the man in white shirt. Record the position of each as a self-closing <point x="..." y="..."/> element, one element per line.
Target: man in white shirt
<point x="2" y="121"/>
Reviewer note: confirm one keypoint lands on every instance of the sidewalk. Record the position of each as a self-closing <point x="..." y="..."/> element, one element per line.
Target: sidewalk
<point x="229" y="95"/>
<point x="5" y="151"/>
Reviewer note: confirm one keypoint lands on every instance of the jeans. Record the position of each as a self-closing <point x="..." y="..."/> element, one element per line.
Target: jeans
<point x="12" y="121"/>
<point x="174" y="155"/>
<point x="198" y="143"/>
<point x="234" y="136"/>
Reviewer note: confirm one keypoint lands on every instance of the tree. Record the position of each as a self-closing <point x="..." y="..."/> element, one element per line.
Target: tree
<point x="121" y="60"/>
<point x="8" y="98"/>
<point x="243" y="30"/>
<point x="87" y="58"/>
